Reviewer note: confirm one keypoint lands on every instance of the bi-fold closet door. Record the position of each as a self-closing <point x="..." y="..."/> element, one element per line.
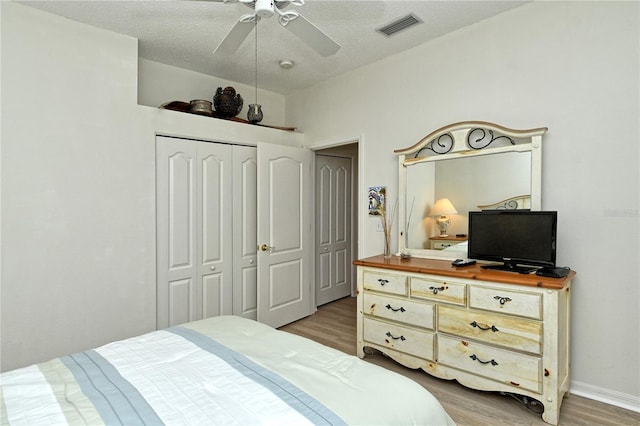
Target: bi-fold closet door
<point x="206" y="230"/>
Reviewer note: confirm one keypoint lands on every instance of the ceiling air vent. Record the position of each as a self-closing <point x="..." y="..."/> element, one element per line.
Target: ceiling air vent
<point x="399" y="24"/>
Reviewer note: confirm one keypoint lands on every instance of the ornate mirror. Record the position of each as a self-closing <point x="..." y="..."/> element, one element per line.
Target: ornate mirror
<point x="462" y="167"/>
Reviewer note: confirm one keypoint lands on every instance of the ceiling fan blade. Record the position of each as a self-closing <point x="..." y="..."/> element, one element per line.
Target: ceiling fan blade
<point x="227" y="1"/>
<point x="234" y="39"/>
<point x="313" y="36"/>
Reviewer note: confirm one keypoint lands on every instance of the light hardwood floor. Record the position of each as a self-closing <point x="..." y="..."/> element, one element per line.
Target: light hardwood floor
<point x="334" y="325"/>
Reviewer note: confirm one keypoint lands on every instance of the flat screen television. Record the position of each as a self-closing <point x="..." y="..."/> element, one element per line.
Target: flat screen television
<point x="521" y="239"/>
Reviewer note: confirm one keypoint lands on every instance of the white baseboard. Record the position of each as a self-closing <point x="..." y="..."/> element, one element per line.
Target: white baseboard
<point x="608" y="396"/>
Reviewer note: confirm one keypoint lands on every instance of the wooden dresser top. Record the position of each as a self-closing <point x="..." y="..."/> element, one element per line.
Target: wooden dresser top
<point x="473" y="272"/>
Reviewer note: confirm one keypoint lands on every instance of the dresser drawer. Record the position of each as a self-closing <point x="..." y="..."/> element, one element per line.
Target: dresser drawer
<point x="404" y="339"/>
<point x="420" y="314"/>
<point x="441" y="290"/>
<point x="388" y="283"/>
<point x="441" y="245"/>
<point x="501" y="365"/>
<point x="512" y="332"/>
<point x="520" y="303"/>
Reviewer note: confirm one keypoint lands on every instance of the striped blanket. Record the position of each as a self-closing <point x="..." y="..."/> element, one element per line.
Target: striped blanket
<point x="219" y="371"/>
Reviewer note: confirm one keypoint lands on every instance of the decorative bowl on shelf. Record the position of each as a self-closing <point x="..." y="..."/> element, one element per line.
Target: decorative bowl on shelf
<point x="227" y="102"/>
<point x="200" y="106"/>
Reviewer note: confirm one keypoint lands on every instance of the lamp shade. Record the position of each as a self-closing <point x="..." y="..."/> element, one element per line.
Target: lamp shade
<point x="443" y="207"/>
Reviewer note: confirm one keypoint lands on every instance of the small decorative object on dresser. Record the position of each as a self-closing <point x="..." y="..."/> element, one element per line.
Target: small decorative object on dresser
<point x="387" y="219"/>
<point x="489" y="330"/>
<point x="227" y="102"/>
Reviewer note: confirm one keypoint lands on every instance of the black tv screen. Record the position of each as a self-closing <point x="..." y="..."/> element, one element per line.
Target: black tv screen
<point x="513" y="237"/>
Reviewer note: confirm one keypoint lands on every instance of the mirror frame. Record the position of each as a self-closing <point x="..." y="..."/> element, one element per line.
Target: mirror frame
<point x="466" y="139"/>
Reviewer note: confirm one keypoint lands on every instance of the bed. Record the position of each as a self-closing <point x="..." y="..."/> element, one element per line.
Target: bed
<point x="223" y="370"/>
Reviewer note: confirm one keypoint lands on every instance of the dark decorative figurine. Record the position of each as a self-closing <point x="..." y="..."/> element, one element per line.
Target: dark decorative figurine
<point x="226" y="102"/>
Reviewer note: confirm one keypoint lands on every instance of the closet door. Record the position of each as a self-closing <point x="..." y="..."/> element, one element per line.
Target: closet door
<point x="245" y="279"/>
<point x="207" y="204"/>
<point x="194" y="222"/>
<point x="214" y="230"/>
<point x="175" y="227"/>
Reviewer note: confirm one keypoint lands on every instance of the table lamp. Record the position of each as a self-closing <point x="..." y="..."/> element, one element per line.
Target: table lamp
<point x="442" y="208"/>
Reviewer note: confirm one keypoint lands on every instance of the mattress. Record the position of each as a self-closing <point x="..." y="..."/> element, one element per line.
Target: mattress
<point x="224" y="370"/>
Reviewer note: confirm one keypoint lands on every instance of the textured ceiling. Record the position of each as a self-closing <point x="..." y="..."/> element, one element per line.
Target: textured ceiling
<point x="184" y="33"/>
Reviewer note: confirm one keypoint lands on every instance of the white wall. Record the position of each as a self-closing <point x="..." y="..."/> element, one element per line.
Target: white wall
<point x="159" y="83"/>
<point x="78" y="186"/>
<point x="569" y="66"/>
<point x="76" y="248"/>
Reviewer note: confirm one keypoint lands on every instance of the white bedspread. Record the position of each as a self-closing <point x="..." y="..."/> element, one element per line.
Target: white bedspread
<point x="219" y="371"/>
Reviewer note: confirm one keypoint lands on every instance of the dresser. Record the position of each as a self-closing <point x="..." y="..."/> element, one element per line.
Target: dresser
<point x="489" y="330"/>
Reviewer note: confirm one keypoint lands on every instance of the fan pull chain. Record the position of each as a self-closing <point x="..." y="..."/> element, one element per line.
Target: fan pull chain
<point x="254" y="113"/>
<point x="256" y="62"/>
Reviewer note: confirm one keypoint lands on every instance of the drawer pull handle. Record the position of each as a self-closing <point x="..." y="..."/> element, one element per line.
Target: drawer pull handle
<point x="502" y="300"/>
<point x="394" y="337"/>
<point x="492" y="328"/>
<point x="475" y="358"/>
<point x="401" y="309"/>
<point x="383" y="282"/>
<point x="435" y="290"/>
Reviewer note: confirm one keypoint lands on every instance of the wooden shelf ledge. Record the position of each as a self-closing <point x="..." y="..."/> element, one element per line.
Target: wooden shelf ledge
<point x="181" y="106"/>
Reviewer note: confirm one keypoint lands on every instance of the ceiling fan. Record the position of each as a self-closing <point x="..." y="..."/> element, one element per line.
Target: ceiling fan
<point x="290" y="19"/>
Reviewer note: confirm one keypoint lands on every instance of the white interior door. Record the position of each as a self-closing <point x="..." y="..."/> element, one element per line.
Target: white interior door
<point x="176" y="244"/>
<point x="333" y="228"/>
<point x="214" y="224"/>
<point x="245" y="268"/>
<point x="285" y="234"/>
<point x="194" y="239"/>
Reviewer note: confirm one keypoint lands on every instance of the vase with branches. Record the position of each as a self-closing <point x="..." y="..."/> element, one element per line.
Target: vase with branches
<point x="387" y="219"/>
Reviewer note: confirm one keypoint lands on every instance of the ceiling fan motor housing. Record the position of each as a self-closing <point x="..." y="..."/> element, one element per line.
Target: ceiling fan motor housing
<point x="264" y="8"/>
<point x="290" y="19"/>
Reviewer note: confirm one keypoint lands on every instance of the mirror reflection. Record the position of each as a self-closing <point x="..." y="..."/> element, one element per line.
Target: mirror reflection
<point x="467" y="182"/>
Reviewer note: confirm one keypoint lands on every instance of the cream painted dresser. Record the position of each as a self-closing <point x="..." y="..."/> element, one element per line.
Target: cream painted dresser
<point x="489" y="330"/>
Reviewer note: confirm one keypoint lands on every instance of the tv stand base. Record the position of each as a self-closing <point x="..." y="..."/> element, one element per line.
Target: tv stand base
<point x="511" y="268"/>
